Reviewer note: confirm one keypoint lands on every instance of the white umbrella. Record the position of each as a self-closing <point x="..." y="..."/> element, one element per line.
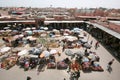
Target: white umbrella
<point x="21" y="35"/>
<point x="92" y="57"/>
<point x="6" y="27"/>
<point x="23" y="29"/>
<point x="45" y="54"/>
<point x="53" y="51"/>
<point x="65" y="34"/>
<point x="85" y="59"/>
<point x="31" y="38"/>
<point x="42" y="28"/>
<point x="81" y="36"/>
<point x="33" y="28"/>
<point x="33" y="56"/>
<point x="45" y="28"/>
<point x="5" y="49"/>
<point x="70" y="38"/>
<point x="67" y="30"/>
<point x="79" y="53"/>
<point x="28" y="28"/>
<point x="15" y="31"/>
<point x="2" y="30"/>
<point x="43" y="35"/>
<point x="54" y="30"/>
<point x="86" y="45"/>
<point x="84" y="40"/>
<point x="69" y="52"/>
<point x="29" y="32"/>
<point x="15" y="37"/>
<point x="23" y="52"/>
<point x="8" y="30"/>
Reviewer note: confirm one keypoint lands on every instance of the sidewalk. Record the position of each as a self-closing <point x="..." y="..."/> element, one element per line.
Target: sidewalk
<point x="105" y="57"/>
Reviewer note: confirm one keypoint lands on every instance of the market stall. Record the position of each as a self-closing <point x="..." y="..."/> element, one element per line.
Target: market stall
<point x="9" y="62"/>
<point x="4" y="50"/>
<point x="23" y="52"/>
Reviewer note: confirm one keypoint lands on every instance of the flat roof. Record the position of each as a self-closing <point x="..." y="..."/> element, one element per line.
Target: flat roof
<point x="109" y="31"/>
<point x="17" y="21"/>
<point x="62" y="22"/>
<point x="116" y="22"/>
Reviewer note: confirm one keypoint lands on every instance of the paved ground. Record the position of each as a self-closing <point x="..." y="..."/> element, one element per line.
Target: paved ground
<point x="53" y="74"/>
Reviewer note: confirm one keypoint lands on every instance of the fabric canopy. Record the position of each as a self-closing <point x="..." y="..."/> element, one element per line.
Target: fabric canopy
<point x="5" y="49"/>
<point x="23" y="52"/>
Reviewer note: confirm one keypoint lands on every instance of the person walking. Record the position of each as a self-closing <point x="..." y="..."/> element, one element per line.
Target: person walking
<point x="96" y="45"/>
<point x="63" y="48"/>
<point x="109" y="65"/>
<point x="91" y="42"/>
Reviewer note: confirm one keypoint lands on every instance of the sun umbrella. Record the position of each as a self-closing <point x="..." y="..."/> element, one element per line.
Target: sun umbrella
<point x="85" y="59"/>
<point x="37" y="51"/>
<point x="45" y="54"/>
<point x="41" y="31"/>
<point x="2" y="30"/>
<point x="33" y="28"/>
<point x="77" y="30"/>
<point x="81" y="36"/>
<point x="29" y="32"/>
<point x="86" y="45"/>
<point x="54" y="30"/>
<point x="70" y="38"/>
<point x="41" y="28"/>
<point x="29" y="37"/>
<point x="28" y="28"/>
<point x="6" y="27"/>
<point x="45" y="28"/>
<point x="69" y="52"/>
<point x="84" y="40"/>
<point x="32" y="39"/>
<point x="15" y="31"/>
<point x="65" y="34"/>
<point x="92" y="57"/>
<point x="5" y="49"/>
<point x="23" y="52"/>
<point x="33" y="56"/>
<point x="35" y="31"/>
<point x="8" y="30"/>
<point x="43" y="35"/>
<point x="53" y="51"/>
<point x="23" y="29"/>
<point x="21" y="35"/>
<point x="79" y="53"/>
<point x="15" y="37"/>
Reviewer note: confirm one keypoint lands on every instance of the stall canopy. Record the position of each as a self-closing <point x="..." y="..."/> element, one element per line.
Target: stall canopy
<point x="31" y="38"/>
<point x="45" y="54"/>
<point x="79" y="53"/>
<point x="29" y="32"/>
<point x="92" y="57"/>
<point x="23" y="52"/>
<point x="53" y="51"/>
<point x="68" y="52"/>
<point x="70" y="38"/>
<point x="77" y="30"/>
<point x="6" y="28"/>
<point x="5" y="49"/>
